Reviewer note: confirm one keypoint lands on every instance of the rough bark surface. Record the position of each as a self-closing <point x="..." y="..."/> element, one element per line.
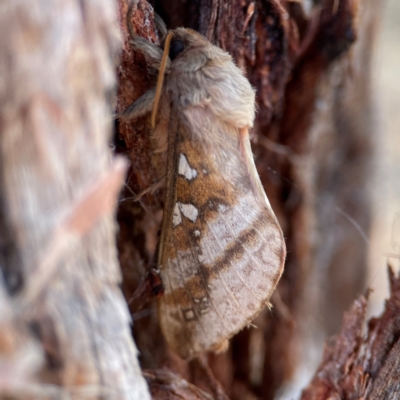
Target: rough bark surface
<point x="64" y="324"/>
<point x="362" y="366"/>
<point x="313" y="143"/>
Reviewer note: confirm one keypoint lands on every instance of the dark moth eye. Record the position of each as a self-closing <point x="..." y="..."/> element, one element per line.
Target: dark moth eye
<point x="176" y="48"/>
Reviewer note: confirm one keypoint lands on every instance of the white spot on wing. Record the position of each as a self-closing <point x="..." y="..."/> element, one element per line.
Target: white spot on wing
<point x="189" y="314"/>
<point x="177" y="217"/>
<point x="189" y="211"/>
<point x="184" y="168"/>
<point x="196" y="233"/>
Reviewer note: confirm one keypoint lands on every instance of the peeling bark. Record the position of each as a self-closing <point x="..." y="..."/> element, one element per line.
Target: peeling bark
<point x="356" y="365"/>
<point x="64" y="325"/>
<point x="309" y="151"/>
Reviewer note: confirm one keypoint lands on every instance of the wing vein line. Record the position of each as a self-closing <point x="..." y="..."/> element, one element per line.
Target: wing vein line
<point x="187" y="290"/>
<point x="206" y="289"/>
<point x="232" y="267"/>
<point x="222" y="278"/>
<point x="251" y="290"/>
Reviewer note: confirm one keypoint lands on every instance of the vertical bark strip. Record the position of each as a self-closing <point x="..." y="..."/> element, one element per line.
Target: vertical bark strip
<point x="358" y="365"/>
<point x="313" y="144"/>
<point x="59" y="186"/>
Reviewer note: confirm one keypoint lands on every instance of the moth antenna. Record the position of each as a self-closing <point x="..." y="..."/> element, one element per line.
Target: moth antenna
<point x="160" y="25"/>
<point x="160" y="78"/>
<point x="129" y="25"/>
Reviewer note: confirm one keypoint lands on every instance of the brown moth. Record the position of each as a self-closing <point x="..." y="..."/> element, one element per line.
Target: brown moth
<point x="221" y="250"/>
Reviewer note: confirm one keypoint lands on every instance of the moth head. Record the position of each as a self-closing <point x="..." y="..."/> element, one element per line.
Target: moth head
<point x="184" y="51"/>
<point x="184" y="42"/>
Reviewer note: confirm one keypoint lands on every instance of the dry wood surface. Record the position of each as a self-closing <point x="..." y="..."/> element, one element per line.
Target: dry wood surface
<point x="65" y="327"/>
<point x="313" y="146"/>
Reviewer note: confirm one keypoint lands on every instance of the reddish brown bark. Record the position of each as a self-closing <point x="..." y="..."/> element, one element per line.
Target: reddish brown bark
<point x="62" y="318"/>
<point x="356" y="365"/>
<point x="313" y="160"/>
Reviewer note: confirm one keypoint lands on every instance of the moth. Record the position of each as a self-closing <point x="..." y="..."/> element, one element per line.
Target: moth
<point x="221" y="250"/>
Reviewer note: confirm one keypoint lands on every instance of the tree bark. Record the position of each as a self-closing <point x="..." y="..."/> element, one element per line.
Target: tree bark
<point x="358" y="366"/>
<point x="313" y="145"/>
<point x="64" y="326"/>
<point x="64" y="323"/>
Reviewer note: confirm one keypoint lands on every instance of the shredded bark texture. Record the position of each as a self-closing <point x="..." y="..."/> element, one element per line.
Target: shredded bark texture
<point x="313" y="146"/>
<point x="358" y="365"/>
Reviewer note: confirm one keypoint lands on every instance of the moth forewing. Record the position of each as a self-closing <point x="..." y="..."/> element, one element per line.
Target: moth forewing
<point x="221" y="249"/>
